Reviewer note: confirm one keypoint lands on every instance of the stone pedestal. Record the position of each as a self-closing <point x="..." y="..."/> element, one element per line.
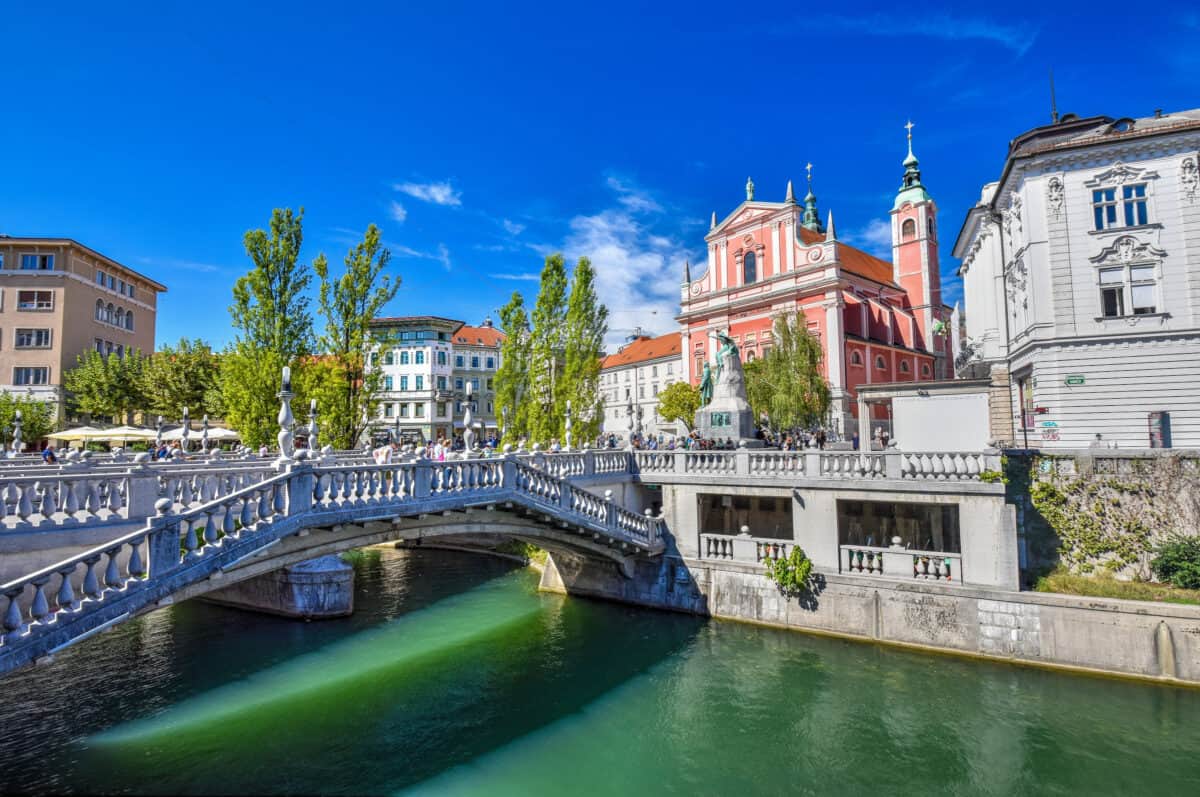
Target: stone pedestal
<point x="317" y="589"/>
<point x="728" y="415"/>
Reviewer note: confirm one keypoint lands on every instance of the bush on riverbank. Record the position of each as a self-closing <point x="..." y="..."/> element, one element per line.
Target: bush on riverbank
<point x="1105" y="585"/>
<point x="792" y="573"/>
<point x="1178" y="561"/>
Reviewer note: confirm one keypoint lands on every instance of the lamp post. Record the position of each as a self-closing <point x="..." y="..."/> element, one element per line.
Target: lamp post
<point x="312" y="425"/>
<point x="567" y="428"/>
<point x="187" y="428"/>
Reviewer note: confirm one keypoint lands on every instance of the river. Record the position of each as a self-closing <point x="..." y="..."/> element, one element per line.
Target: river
<point x="455" y="676"/>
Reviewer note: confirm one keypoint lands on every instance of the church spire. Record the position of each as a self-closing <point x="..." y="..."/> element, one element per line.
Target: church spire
<point x="791" y="195"/>
<point x="830" y="232"/>
<point x="687" y="272"/>
<point x="749" y="189"/>
<point x="812" y="217"/>
<point x="911" y="189"/>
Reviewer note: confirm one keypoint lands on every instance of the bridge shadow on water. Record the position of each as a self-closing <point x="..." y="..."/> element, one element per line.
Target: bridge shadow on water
<point x="447" y="657"/>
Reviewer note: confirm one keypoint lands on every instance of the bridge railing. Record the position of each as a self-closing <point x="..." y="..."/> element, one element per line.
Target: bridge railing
<point x="233" y="526"/>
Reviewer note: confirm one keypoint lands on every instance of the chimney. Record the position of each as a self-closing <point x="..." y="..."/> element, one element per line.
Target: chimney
<point x="1158" y="113"/>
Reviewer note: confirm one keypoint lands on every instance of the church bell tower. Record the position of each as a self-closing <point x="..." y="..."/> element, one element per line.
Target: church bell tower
<point x="915" y="251"/>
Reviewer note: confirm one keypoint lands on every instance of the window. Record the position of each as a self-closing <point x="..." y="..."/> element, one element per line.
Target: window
<point x="31" y="376"/>
<point x="908" y="230"/>
<point x="374" y="355"/>
<point x="458" y="384"/>
<point x="441" y="383"/>
<point x="121" y="287"/>
<point x="641" y="391"/>
<point x="419" y="357"/>
<point x="420" y="385"/>
<point x="129" y="290"/>
<point x="35" y="300"/>
<point x="37" y="262"/>
<point x="110" y="313"/>
<point x="441" y="409"/>
<point x="459" y="360"/>
<point x="654" y="370"/>
<point x="404" y="410"/>
<point x="925" y="369"/>
<point x="100" y="345"/>
<point x="99" y="277"/>
<point x="904" y="369"/>
<point x="1134" y="287"/>
<point x="654" y="389"/>
<point x="670" y="369"/>
<point x="1104" y="208"/>
<point x="1" y="260"/>
<point x="491" y="363"/>
<point x="749" y="268"/>
<point x="388" y="358"/>
<point x="1134" y="199"/>
<point x="475" y="362"/>
<point x="490" y="382"/>
<point x="490" y="410"/>
<point x="404" y="382"/>
<point x="879" y="363"/>
<point x="855" y="358"/>
<point x="112" y="282"/>
<point x="441" y="358"/>
<point x="419" y="410"/>
<point x="33" y="339"/>
<point x="389" y="410"/>
<point x="387" y="383"/>
<point x="99" y="309"/>
<point x="749" y="355"/>
<point x="129" y="320"/>
<point x="475" y="385"/>
<point x="1025" y="392"/>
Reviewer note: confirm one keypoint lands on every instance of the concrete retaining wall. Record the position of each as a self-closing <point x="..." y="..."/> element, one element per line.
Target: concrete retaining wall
<point x="1118" y="637"/>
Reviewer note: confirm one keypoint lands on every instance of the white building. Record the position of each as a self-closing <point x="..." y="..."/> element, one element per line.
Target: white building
<point x="1081" y="274"/>
<point x="415" y="354"/>
<point x="476" y="360"/>
<point x="632" y="378"/>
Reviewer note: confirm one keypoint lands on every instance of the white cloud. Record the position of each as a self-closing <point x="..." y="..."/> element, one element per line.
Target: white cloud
<point x="184" y="265"/>
<point x="513" y="228"/>
<point x="638" y="272"/>
<point x="443" y="256"/>
<point x="633" y="198"/>
<point x="520" y="277"/>
<point x="875" y="238"/>
<point x="398" y="212"/>
<point x="1018" y="38"/>
<point x="442" y="193"/>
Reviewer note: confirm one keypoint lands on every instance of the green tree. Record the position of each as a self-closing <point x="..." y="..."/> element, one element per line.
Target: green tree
<point x="348" y="303"/>
<point x="787" y="385"/>
<point x="512" y="378"/>
<point x="585" y="325"/>
<point x="250" y="380"/>
<point x="181" y="376"/>
<point x="546" y="353"/>
<point x="37" y="417"/>
<point x="107" y="386"/>
<point x="679" y="401"/>
<point x="270" y="308"/>
<point x="274" y="327"/>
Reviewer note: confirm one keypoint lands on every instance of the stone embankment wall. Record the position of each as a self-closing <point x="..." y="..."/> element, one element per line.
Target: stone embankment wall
<point x="1110" y="636"/>
<point x="1103" y="510"/>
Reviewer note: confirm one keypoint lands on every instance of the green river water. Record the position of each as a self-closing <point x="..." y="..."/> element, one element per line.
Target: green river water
<point x="455" y="676"/>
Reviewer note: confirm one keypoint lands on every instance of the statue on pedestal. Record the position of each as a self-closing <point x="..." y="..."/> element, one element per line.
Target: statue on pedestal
<point x="706" y="385"/>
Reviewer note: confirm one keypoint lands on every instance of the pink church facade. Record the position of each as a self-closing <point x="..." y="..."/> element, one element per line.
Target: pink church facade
<point x="877" y="321"/>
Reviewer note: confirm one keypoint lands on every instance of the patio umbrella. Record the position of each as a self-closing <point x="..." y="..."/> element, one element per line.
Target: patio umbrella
<point x="80" y="433"/>
<point x="124" y="433"/>
<point x="214" y="433"/>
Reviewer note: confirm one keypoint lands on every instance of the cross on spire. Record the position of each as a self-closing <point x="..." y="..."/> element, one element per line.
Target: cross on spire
<point x="808" y="168"/>
<point x="909" y="126"/>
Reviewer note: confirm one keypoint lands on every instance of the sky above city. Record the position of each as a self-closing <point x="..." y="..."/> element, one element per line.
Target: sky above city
<point x="481" y="137"/>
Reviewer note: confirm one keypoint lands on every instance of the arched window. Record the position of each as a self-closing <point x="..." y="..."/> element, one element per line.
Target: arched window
<point x="855" y="358"/>
<point x="99" y="309"/>
<point x="904" y="369"/>
<point x="119" y="318"/>
<point x="908" y="230"/>
<point x="879" y="362"/>
<point x="129" y="320"/>
<point x="929" y="225"/>
<point x="109" y="312"/>
<point x="925" y="369"/>
<point x="749" y="355"/>
<point x="749" y="268"/>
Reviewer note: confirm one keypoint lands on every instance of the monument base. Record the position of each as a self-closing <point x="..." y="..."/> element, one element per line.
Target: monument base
<point x="732" y="421"/>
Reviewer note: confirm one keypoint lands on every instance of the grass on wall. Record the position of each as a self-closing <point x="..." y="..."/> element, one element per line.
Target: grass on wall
<point x="1103" y="585"/>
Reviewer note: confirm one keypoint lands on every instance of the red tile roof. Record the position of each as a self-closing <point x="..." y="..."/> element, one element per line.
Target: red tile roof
<point x="643" y="349"/>
<point x="854" y="260"/>
<point x="479" y="336"/>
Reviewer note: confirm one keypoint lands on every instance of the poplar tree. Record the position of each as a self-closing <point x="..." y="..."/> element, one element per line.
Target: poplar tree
<point x="274" y="327"/>
<point x="348" y="303"/>
<point x="787" y="384"/>
<point x="512" y="378"/>
<point x="585" y="326"/>
<point x="546" y="353"/>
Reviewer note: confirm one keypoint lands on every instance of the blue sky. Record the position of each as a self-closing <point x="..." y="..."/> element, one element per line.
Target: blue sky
<point x="481" y="136"/>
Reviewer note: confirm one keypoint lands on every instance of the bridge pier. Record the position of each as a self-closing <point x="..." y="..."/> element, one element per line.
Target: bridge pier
<point x="317" y="589"/>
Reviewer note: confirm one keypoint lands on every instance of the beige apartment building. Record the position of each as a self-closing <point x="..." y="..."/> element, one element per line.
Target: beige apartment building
<point x="58" y="298"/>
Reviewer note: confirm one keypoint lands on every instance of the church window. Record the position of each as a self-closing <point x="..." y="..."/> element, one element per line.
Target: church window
<point x="855" y="358"/>
<point x="749" y="268"/>
<point x="879" y="363"/>
<point x="924" y="369"/>
<point x="908" y="230"/>
<point x="904" y="366"/>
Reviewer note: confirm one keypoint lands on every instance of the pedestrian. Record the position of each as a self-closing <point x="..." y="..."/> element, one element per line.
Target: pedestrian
<point x="48" y="456"/>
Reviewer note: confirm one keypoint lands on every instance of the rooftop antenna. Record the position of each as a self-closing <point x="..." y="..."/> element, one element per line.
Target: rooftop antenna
<point x="1053" y="102"/>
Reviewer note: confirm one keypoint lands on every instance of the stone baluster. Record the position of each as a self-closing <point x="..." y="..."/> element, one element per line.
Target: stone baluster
<point x="13" y="621"/>
<point x="16" y="441"/>
<point x="39" y="610"/>
<point x="66" y="595"/>
<point x="285" y="417"/>
<point x="91" y="583"/>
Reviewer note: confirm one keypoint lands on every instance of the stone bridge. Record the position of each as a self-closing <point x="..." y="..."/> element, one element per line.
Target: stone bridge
<point x="274" y="520"/>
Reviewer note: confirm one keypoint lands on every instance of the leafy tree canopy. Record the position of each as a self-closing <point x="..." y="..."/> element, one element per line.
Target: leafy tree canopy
<point x="679" y="401"/>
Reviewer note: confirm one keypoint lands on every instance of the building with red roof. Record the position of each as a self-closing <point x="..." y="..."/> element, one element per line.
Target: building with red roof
<point x="632" y="378"/>
<point x="877" y="321"/>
